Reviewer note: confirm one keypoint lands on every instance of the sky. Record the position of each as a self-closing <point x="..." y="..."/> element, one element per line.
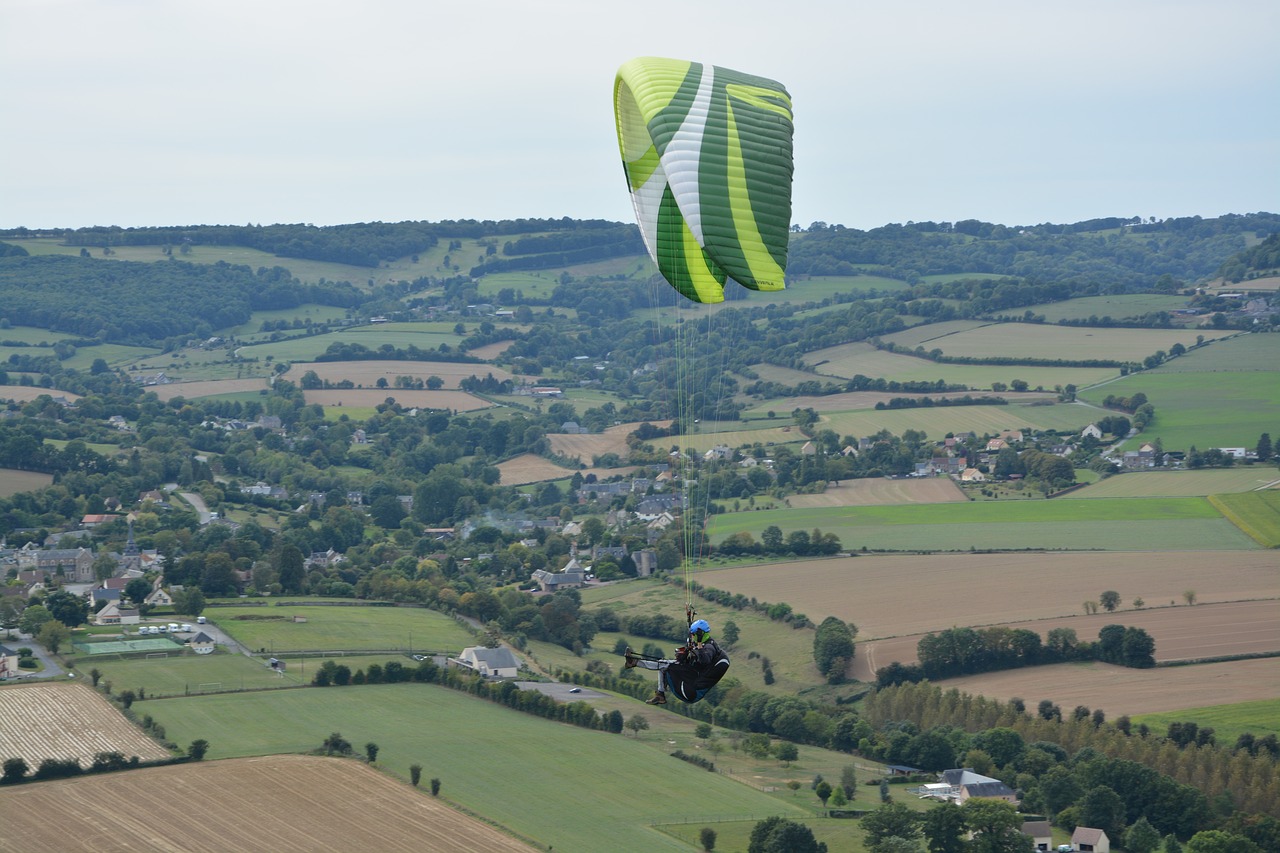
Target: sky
<point x="154" y="112"/>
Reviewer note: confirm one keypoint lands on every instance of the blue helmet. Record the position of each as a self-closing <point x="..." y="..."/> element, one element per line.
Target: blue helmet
<point x="700" y="630"/>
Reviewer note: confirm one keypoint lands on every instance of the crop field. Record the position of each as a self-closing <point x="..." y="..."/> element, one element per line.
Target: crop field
<point x="849" y="360"/>
<point x="366" y="373"/>
<point x="1118" y="690"/>
<point x="370" y="397"/>
<point x="1118" y="524"/>
<point x="929" y="335"/>
<point x="888" y="596"/>
<point x="27" y="393"/>
<point x="880" y="491"/>
<point x="854" y="401"/>
<point x="1181" y="633"/>
<point x="936" y="422"/>
<point x="13" y="481"/>
<point x="1034" y="340"/>
<point x="1203" y="409"/>
<point x="488" y="352"/>
<point x="1183" y="481"/>
<point x="282" y="804"/>
<point x="587" y="446"/>
<point x="39" y="721"/>
<point x="1256" y="513"/>
<point x="528" y="468"/>
<point x="1268" y="283"/>
<point x="352" y="628"/>
<point x="1261" y="717"/>
<point x="309" y="347"/>
<point x="309" y="311"/>
<point x="452" y="735"/>
<point x="1117" y="306"/>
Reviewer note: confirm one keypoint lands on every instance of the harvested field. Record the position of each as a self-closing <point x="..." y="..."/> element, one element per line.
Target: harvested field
<point x="585" y="447"/>
<point x="13" y="481"/>
<point x="369" y="397"/>
<point x="1118" y="690"/>
<point x="64" y="721"/>
<point x="367" y="373"/>
<point x="208" y="388"/>
<point x="491" y="351"/>
<point x="27" y="393"/>
<point x="1181" y="633"/>
<point x="279" y="804"/>
<point x="888" y="596"/>
<point x="528" y="468"/>
<point x="1183" y="481"/>
<point x="879" y="491"/>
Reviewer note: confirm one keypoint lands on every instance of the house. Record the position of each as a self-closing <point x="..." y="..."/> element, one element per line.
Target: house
<point x="965" y="785"/>
<point x="158" y="597"/>
<point x="8" y="663"/>
<point x="808" y="449"/>
<point x="1088" y="840"/>
<point x="972" y="475"/>
<point x="491" y="663"/>
<point x="1040" y="833"/>
<point x="73" y="564"/>
<point x="572" y="575"/>
<point x="113" y="614"/>
<point x="95" y="520"/>
<point x="572" y="428"/>
<point x="1091" y="431"/>
<point x="995" y="445"/>
<point x="202" y="644"/>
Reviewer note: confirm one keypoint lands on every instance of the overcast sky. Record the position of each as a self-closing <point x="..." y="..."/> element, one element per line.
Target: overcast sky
<point x="175" y="112"/>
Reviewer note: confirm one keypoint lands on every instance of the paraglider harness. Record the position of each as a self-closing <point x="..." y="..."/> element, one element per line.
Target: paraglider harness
<point x="696" y="669"/>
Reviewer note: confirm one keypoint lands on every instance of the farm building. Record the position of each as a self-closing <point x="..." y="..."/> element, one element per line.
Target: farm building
<point x="491" y="663"/>
<point x="1040" y="833"/>
<point x="1088" y="840"/>
<point x="965" y="784"/>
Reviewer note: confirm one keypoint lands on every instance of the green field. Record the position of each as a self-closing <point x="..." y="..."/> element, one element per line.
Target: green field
<point x="1241" y="354"/>
<point x="1202" y="409"/>
<point x="32" y="335"/>
<point x="1256" y="513"/>
<point x="849" y="360"/>
<point x="1173" y="482"/>
<point x="559" y="785"/>
<point x="1070" y="343"/>
<point x="183" y="674"/>
<point x="310" y="311"/>
<point x="1117" y="524"/>
<point x="1116" y="306"/>
<point x="1262" y="718"/>
<point x="530" y="285"/>
<point x="401" y="335"/>
<point x="341" y="627"/>
<point x="937" y="421"/>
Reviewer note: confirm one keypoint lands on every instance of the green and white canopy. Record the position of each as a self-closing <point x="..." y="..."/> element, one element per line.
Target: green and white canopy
<point x="707" y="153"/>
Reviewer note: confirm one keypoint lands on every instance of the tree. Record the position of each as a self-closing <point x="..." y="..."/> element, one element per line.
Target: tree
<point x="336" y="744"/>
<point x="944" y="829"/>
<point x="779" y="835"/>
<point x="137" y="590"/>
<point x="371" y="752"/>
<point x="637" y="723"/>
<point x="435" y="786"/>
<point x="1189" y="596"/>
<point x="1138" y="648"/>
<point x="1141" y="837"/>
<point x="70" y="610"/>
<point x="996" y="826"/>
<point x="33" y="618"/>
<point x="823" y="791"/>
<point x="833" y="649"/>
<point x="1109" y="600"/>
<point x="198" y="749"/>
<point x="189" y="602"/>
<point x="729" y="633"/>
<point x="707" y="838"/>
<point x="292" y="567"/>
<point x="1104" y="809"/>
<point x="14" y="770"/>
<point x="415" y="774"/>
<point x="890" y="819"/>
<point x="786" y="752"/>
<point x="1218" y="841"/>
<point x="849" y="780"/>
<point x="52" y="635"/>
<point x="1264" y="447"/>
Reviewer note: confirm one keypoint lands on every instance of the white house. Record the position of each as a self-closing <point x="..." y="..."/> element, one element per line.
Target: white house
<point x="8" y="663"/>
<point x="1091" y="430"/>
<point x="491" y="663"/>
<point x="1088" y="840"/>
<point x="201" y="644"/>
<point x="113" y="614"/>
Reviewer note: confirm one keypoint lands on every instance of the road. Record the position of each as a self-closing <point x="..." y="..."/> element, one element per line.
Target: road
<point x="198" y="504"/>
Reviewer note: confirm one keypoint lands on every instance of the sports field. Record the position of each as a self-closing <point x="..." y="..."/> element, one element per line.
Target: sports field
<point x="353" y="628"/>
<point x="181" y="675"/>
<point x="157" y="645"/>
<point x="1117" y="524"/>
<point x="281" y="804"/>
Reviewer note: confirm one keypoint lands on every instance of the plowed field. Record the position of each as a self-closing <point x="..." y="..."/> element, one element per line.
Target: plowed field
<point x="66" y="721"/>
<point x="279" y="804"/>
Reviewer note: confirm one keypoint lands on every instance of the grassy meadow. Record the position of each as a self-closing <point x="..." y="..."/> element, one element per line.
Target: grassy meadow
<point x="13" y="481"/>
<point x="1118" y="306"/>
<point x="1071" y="343"/>
<point x="1261" y="718"/>
<point x="1174" y="482"/>
<point x="1256" y="513"/>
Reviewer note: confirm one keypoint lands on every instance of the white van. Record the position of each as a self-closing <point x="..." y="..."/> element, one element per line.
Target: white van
<point x="200" y="620"/>
<point x="174" y="627"/>
<point x="186" y="628"/>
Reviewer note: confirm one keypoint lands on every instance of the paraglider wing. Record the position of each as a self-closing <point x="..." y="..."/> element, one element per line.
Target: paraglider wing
<point x="707" y="154"/>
